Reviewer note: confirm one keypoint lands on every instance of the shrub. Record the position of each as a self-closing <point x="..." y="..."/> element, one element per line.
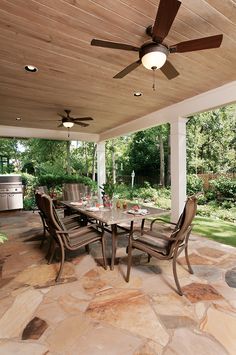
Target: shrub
<point x="224" y="187"/>
<point x="29" y="203"/>
<point x="194" y="184"/>
<point x="54" y="181"/>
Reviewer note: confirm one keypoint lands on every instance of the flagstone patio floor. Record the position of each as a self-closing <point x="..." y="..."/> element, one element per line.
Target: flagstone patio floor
<point x="95" y="312"/>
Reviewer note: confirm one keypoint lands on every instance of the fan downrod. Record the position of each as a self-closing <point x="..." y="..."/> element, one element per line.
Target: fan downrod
<point x="149" y="31"/>
<point x="67" y="112"/>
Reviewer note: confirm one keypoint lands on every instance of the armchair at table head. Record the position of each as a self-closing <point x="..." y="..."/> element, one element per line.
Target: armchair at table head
<point x="166" y="247"/>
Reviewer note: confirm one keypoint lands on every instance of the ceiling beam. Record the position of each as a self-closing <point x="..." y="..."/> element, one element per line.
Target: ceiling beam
<point x="23" y="132"/>
<point x="206" y="101"/>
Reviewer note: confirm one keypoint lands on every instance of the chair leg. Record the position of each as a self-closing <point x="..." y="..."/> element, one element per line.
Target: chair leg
<point x="149" y="258"/>
<point x="129" y="261"/>
<point x="104" y="253"/>
<point x="175" y="274"/>
<point x="44" y="236"/>
<point x="187" y="259"/>
<point x="62" y="261"/>
<point x="51" y="252"/>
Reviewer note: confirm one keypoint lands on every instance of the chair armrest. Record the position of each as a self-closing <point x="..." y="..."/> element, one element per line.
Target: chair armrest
<point x="159" y="219"/>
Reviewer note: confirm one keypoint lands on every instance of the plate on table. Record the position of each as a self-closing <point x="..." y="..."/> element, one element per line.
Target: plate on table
<point x="76" y="203"/>
<point x="92" y="209"/>
<point x="140" y="211"/>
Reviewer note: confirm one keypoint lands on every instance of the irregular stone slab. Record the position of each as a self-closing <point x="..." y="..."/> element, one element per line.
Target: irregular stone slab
<point x="130" y="310"/>
<point x="195" y="260"/>
<point x="106" y="340"/>
<point x="172" y="322"/>
<point x="72" y="304"/>
<point x="230" y="277"/>
<point x="185" y="342"/>
<point x="212" y="253"/>
<point x="92" y="281"/>
<point x="19" y="314"/>
<point x="149" y="348"/>
<point x="26" y="348"/>
<point x="51" y="312"/>
<point x="222" y="326"/>
<point x="34" y="329"/>
<point x="200" y="292"/>
<point x="44" y="275"/>
<point x="67" y="334"/>
<point x="228" y="262"/>
<point x="177" y="305"/>
<point x="209" y="273"/>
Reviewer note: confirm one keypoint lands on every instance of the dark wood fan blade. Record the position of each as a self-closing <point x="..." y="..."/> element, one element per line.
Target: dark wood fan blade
<point x="62" y="116"/>
<point x="60" y="125"/>
<point x="83" y="119"/>
<point x="82" y="124"/>
<point x="166" y="14"/>
<point x="114" y="45"/>
<point x="127" y="70"/>
<point x="169" y="70"/>
<point x="197" y="44"/>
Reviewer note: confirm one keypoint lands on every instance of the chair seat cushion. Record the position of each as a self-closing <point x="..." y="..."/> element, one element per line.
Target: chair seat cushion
<point x="155" y="241"/>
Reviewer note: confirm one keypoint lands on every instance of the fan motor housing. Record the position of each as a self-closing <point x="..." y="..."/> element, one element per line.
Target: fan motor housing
<point x="152" y="47"/>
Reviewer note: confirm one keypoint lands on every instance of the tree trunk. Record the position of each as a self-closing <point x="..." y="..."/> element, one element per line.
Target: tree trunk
<point x="113" y="163"/>
<point x="86" y="158"/>
<point x="94" y="161"/>
<point x="168" y="179"/>
<point x="162" y="161"/>
<point x="68" y="162"/>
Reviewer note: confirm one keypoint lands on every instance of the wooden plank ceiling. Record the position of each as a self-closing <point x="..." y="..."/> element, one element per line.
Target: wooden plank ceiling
<point x="55" y="35"/>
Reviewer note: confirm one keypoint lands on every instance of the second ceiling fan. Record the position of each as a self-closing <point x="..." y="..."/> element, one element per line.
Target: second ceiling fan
<point x="153" y="55"/>
<point x="69" y="121"/>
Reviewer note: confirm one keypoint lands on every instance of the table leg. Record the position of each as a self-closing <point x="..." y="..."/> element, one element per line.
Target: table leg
<point x="114" y="244"/>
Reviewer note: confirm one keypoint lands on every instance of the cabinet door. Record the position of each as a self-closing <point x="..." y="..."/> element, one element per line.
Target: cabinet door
<point x="3" y="202"/>
<point x="15" y="201"/>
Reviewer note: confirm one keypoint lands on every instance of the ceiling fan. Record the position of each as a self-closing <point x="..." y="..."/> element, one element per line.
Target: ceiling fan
<point x="153" y="55"/>
<point x="68" y="121"/>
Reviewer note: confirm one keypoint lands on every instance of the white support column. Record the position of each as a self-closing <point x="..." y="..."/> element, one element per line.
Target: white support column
<point x="178" y="167"/>
<point x="101" y="166"/>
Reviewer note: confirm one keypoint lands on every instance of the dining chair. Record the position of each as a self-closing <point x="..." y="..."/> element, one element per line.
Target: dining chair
<point x="71" y="222"/>
<point x="161" y="246"/>
<point x="70" y="240"/>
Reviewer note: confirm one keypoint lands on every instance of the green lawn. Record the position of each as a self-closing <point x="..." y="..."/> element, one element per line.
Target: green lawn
<point x="215" y="229"/>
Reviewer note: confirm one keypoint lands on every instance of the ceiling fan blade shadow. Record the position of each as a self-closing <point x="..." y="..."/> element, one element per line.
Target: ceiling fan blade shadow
<point x="60" y="125"/>
<point x="114" y="45"/>
<point x="166" y="14"/>
<point x="81" y="124"/>
<point x="169" y="70"/>
<point x="128" y="69"/>
<point x="197" y="44"/>
<point x="83" y="119"/>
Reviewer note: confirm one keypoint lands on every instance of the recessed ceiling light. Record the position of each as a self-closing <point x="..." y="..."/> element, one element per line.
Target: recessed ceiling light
<point x="31" y="68"/>
<point x="18" y="118"/>
<point x="138" y="93"/>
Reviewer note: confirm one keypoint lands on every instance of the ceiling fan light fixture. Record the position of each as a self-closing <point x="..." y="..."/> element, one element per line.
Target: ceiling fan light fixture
<point x="154" y="60"/>
<point x="68" y="124"/>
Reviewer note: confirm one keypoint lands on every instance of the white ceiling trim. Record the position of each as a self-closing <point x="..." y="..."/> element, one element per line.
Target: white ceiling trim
<point x="23" y="132"/>
<point x="208" y="100"/>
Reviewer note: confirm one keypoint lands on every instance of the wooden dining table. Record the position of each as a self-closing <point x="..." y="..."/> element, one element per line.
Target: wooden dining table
<point x="115" y="218"/>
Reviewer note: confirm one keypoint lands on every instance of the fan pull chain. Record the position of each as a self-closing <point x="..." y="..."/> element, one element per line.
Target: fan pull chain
<point x="153" y="78"/>
<point x="68" y="132"/>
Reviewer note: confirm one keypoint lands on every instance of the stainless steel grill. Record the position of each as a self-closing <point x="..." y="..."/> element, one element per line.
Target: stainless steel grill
<point x="11" y="192"/>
